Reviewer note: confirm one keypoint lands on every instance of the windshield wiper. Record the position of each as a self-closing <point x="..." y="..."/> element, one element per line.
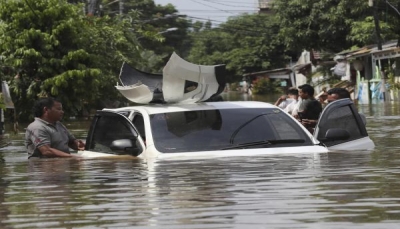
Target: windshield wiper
<point x="265" y="142"/>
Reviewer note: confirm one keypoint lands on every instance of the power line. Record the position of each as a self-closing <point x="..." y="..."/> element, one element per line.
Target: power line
<point x="191" y="10"/>
<point x="211" y="6"/>
<point x="235" y="2"/>
<point x="223" y="4"/>
<point x="242" y="28"/>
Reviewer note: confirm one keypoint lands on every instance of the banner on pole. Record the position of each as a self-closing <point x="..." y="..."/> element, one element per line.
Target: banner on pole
<point x="6" y="95"/>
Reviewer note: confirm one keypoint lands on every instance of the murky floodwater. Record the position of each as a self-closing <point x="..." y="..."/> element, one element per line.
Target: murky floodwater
<point x="333" y="190"/>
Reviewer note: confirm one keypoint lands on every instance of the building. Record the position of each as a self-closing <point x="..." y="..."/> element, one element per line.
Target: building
<point x="264" y="6"/>
<point x="377" y="72"/>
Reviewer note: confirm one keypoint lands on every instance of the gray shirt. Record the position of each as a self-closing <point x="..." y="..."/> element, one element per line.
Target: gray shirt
<point x="310" y="108"/>
<point x="40" y="133"/>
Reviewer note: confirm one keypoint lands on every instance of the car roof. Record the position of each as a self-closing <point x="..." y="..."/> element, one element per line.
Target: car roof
<point x="167" y="108"/>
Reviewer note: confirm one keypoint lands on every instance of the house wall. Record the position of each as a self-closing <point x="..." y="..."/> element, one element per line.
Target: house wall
<point x="300" y="79"/>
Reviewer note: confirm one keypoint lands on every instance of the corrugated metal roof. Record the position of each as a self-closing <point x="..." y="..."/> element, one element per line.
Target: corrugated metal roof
<point x="279" y="70"/>
<point x="298" y="68"/>
<point x="364" y="51"/>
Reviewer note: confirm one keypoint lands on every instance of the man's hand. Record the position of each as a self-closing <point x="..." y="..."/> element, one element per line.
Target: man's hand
<point x="309" y="122"/>
<point x="280" y="99"/>
<point x="79" y="145"/>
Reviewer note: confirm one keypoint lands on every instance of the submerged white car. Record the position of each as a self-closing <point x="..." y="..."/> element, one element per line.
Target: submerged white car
<point x="176" y="120"/>
<point x="221" y="129"/>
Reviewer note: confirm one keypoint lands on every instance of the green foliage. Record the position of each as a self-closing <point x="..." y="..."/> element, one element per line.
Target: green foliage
<point x="151" y="25"/>
<point x="331" y="25"/>
<point x="58" y="51"/>
<point x="52" y="48"/>
<point x="245" y="44"/>
<point x="361" y="31"/>
<point x="392" y="74"/>
<point x="265" y="86"/>
<point x="2" y="104"/>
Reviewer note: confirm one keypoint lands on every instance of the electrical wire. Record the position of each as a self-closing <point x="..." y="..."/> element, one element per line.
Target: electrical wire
<point x="235" y="2"/>
<point x="223" y="4"/>
<point x="395" y="9"/>
<point x="211" y="6"/>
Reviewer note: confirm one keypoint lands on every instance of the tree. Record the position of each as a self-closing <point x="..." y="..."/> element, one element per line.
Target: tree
<point x="330" y="25"/>
<point x="152" y="22"/>
<point x="55" y="50"/>
<point x="247" y="43"/>
<point x="266" y="86"/>
<point x="363" y="32"/>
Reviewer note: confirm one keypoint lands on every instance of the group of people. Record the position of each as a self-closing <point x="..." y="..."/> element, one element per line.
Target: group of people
<point x="302" y="104"/>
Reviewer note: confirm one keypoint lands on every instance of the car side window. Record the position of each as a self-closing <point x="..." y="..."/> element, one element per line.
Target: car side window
<point x="108" y="129"/>
<point x="138" y="122"/>
<point x="342" y="118"/>
<point x="284" y="128"/>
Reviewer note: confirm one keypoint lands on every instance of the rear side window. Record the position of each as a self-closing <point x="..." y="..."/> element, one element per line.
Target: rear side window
<point x="342" y="118"/>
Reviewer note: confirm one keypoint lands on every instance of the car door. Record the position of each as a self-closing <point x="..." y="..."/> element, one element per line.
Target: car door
<point x="114" y="133"/>
<point x="341" y="127"/>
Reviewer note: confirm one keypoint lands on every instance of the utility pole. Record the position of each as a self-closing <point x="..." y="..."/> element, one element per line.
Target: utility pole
<point x="92" y="7"/>
<point x="379" y="45"/>
<point x="376" y="21"/>
<point x="121" y="7"/>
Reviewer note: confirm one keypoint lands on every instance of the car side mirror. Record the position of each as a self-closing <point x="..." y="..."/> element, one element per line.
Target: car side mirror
<point x="124" y="146"/>
<point x="337" y="134"/>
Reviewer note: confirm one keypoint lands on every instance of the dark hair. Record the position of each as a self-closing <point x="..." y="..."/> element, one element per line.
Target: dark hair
<point x="341" y="92"/>
<point x="42" y="103"/>
<point x="306" y="88"/>
<point x="293" y="91"/>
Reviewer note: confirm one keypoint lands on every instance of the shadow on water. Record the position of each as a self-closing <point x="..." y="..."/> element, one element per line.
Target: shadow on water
<point x="333" y="190"/>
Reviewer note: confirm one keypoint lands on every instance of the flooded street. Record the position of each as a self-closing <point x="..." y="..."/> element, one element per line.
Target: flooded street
<point x="359" y="189"/>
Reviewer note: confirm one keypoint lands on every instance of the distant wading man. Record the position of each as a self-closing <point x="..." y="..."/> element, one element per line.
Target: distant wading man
<point x="47" y="136"/>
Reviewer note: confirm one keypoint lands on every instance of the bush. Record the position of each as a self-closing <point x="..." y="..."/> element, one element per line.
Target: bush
<point x="265" y="86"/>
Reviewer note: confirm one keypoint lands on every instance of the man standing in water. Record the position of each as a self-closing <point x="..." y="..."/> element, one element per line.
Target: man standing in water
<point x="47" y="136"/>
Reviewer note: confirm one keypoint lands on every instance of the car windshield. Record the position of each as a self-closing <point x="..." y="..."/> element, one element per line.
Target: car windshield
<point x="207" y="130"/>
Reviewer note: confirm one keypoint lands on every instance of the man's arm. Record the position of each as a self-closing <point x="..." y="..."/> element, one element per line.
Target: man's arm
<point x="280" y="100"/>
<point x="47" y="151"/>
<point x="309" y="122"/>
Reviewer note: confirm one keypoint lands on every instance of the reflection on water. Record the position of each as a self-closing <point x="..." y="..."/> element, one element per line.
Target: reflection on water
<point x="333" y="190"/>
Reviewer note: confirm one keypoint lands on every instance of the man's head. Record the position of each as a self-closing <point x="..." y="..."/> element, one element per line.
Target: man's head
<point x="48" y="109"/>
<point x="323" y="97"/>
<point x="306" y="91"/>
<point x="293" y="93"/>
<point x="338" y="93"/>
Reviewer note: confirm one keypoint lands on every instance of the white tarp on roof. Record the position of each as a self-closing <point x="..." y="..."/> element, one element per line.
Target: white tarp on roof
<point x="6" y="95"/>
<point x="181" y="82"/>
